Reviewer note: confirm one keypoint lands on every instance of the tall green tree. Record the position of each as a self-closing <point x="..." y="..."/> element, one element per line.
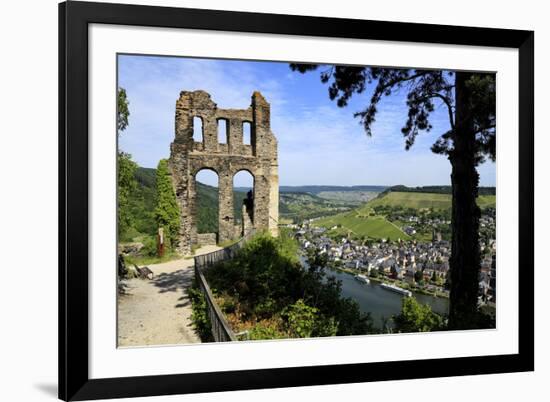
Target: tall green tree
<point x="167" y="214"/>
<point x="123" y="112"/>
<point x="126" y="185"/>
<point x="126" y="168"/>
<point x="469" y="99"/>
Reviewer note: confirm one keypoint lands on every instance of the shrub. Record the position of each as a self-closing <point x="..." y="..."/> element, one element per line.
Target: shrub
<point x="325" y="326"/>
<point x="416" y="317"/>
<point x="149" y="246"/>
<point x="199" y="316"/>
<point x="266" y="280"/>
<point x="265" y="330"/>
<point x="299" y="319"/>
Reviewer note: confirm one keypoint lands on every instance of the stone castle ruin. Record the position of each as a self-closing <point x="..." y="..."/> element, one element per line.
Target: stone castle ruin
<point x="259" y="158"/>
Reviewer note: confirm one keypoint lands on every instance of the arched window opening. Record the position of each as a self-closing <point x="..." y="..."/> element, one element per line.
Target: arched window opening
<point x="222" y="131"/>
<point x="198" y="133"/>
<point x="206" y="193"/>
<point x="243" y="193"/>
<point x="247" y="133"/>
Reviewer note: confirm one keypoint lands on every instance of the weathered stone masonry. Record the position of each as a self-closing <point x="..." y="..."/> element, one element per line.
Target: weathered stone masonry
<point x="188" y="157"/>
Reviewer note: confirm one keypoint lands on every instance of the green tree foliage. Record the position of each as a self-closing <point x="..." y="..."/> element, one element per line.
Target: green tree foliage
<point x="199" y="316"/>
<point x="262" y="331"/>
<point x="126" y="169"/>
<point x="126" y="185"/>
<point x="416" y="317"/>
<point x="419" y="276"/>
<point x="470" y="100"/>
<point x="299" y="319"/>
<point x="167" y="214"/>
<point x="123" y="112"/>
<point x="272" y="288"/>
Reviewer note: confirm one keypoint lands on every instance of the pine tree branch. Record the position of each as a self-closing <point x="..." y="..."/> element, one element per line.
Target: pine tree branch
<point x="448" y="104"/>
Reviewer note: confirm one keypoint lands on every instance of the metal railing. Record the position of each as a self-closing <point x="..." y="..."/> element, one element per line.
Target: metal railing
<point x="220" y="328"/>
<point x="221" y="331"/>
<point x="227" y="253"/>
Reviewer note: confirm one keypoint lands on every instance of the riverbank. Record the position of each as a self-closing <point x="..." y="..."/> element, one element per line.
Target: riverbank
<point x="379" y="302"/>
<point x="389" y="281"/>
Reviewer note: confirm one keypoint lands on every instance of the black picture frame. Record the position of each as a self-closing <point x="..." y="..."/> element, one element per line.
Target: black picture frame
<point x="74" y="18"/>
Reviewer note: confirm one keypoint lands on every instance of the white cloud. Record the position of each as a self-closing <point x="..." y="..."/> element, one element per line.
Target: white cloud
<point x="319" y="143"/>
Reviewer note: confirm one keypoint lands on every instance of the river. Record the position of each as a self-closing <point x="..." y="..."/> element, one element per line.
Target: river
<point x="381" y="303"/>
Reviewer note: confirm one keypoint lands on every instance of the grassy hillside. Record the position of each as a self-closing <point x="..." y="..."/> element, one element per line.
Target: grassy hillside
<point x="364" y="222"/>
<point x="436" y="189"/>
<point x="352" y="197"/>
<point x="376" y="227"/>
<point x="423" y="200"/>
<point x="313" y="189"/>
<point x="487" y="201"/>
<point x="299" y="206"/>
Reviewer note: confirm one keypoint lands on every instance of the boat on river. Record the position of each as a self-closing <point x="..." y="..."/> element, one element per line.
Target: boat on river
<point x="396" y="289"/>
<point x="362" y="278"/>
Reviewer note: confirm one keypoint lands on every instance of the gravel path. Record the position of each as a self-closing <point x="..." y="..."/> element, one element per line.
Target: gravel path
<point x="158" y="311"/>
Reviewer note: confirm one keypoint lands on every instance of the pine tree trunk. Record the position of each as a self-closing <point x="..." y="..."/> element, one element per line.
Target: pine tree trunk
<point x="465" y="252"/>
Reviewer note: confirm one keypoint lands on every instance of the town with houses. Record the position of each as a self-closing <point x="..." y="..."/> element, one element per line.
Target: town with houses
<point x="422" y="266"/>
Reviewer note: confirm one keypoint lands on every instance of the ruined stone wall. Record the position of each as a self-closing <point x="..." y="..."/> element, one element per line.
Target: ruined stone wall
<point x="206" y="239"/>
<point x="188" y="157"/>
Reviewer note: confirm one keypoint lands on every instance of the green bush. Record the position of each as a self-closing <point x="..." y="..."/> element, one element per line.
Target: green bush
<point x="149" y="246"/>
<point x="416" y="317"/>
<point x="264" y="331"/>
<point x="199" y="316"/>
<point x="267" y="281"/>
<point x="299" y="319"/>
<point x="325" y="326"/>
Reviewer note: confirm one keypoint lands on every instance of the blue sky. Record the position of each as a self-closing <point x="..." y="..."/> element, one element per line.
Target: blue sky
<point x="319" y="143"/>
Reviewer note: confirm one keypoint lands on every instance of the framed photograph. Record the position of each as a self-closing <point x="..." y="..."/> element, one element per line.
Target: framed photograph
<point x="258" y="201"/>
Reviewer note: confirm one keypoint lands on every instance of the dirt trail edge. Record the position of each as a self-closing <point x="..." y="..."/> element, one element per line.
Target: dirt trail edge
<point x="158" y="311"/>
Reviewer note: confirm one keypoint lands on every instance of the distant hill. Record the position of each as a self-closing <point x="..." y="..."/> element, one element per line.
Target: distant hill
<point x="207" y="201"/>
<point x="418" y="200"/>
<point x="344" y="205"/>
<point x="293" y="206"/>
<point x="298" y="206"/>
<point x="349" y="195"/>
<point x="435" y="190"/>
<point x="146" y="177"/>
<point x="364" y="220"/>
<point x="142" y="203"/>
<point x="315" y="189"/>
